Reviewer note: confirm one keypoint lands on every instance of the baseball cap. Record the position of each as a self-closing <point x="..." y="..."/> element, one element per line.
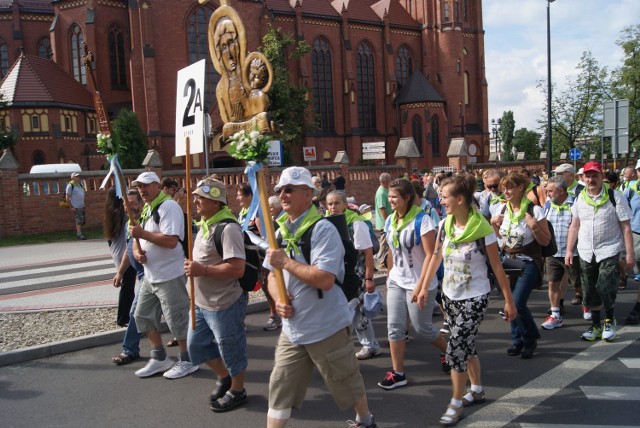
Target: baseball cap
<point x="581" y="171"/>
<point x="146" y="178"/>
<point x="212" y="189"/>
<point x="75" y="174"/>
<point x="295" y="176"/>
<point x="592" y="166"/>
<point x="364" y="208"/>
<point x="372" y="303"/>
<point x="565" y="167"/>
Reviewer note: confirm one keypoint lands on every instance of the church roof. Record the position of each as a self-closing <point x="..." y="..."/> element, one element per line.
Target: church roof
<point x="33" y="81"/>
<point x="417" y="90"/>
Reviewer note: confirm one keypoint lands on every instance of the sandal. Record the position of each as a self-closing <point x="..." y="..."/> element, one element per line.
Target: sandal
<point x="448" y="419"/>
<point x="172" y="342"/>
<point x="123" y="359"/>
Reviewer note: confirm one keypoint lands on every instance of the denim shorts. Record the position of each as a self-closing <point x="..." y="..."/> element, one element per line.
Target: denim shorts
<point x="220" y="334"/>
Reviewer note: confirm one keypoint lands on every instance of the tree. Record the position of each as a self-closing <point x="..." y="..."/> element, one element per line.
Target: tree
<point x="8" y="136"/>
<point x="129" y="139"/>
<point x="575" y="111"/>
<point x="289" y="102"/>
<point x="528" y="142"/>
<point x="626" y="81"/>
<point x="507" y="125"/>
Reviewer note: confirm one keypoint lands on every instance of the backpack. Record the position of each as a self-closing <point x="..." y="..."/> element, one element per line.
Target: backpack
<point x="185" y="241"/>
<point x="372" y="234"/>
<point x="350" y="285"/>
<point x="249" y="280"/>
<point x="552" y="247"/>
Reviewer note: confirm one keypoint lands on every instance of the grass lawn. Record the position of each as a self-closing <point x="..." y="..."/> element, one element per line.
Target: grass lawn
<point x="45" y="238"/>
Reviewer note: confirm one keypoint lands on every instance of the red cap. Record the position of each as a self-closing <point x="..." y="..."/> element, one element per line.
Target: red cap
<point x="592" y="166"/>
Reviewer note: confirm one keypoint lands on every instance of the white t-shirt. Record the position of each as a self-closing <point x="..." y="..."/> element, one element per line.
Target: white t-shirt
<point x="409" y="257"/>
<point x="164" y="264"/>
<point x="361" y="237"/>
<point x="465" y="268"/>
<point x="520" y="234"/>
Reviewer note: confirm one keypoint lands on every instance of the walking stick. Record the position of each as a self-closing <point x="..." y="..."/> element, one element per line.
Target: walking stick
<point x="189" y="237"/>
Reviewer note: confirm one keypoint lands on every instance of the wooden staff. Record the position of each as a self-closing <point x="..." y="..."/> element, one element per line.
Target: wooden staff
<point x="270" y="231"/>
<point x="189" y="237"/>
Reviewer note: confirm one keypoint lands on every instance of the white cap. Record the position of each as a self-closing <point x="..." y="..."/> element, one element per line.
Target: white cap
<point x="364" y="208"/>
<point x="581" y="171"/>
<point x="75" y="174"/>
<point x="565" y="167"/>
<point x="638" y="164"/>
<point x="295" y="176"/>
<point x="146" y="178"/>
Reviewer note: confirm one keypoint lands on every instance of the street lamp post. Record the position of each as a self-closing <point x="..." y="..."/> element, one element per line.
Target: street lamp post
<point x="495" y="130"/>
<point x="549" y="148"/>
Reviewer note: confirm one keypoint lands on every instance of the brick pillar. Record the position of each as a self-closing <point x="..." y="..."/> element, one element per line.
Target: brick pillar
<point x="10" y="214"/>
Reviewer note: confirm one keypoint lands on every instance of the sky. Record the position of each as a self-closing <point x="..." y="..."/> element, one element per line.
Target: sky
<point x="516" y="48"/>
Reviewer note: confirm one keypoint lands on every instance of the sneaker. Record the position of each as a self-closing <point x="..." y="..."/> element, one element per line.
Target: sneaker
<point x="180" y="369"/>
<point x="586" y="313"/>
<point x="229" y="401"/>
<point x="561" y="310"/>
<point x="609" y="329"/>
<point x="444" y="366"/>
<point x="551" y="322"/>
<point x="445" y="328"/>
<point x="501" y="312"/>
<point x="633" y="318"/>
<point x="594" y="332"/>
<point x="81" y="237"/>
<point x="273" y="324"/>
<point x="636" y="278"/>
<point x="222" y="386"/>
<point x="577" y="300"/>
<point x="473" y="398"/>
<point x="392" y="380"/>
<point x="366" y="353"/>
<point x="155" y="366"/>
<point x="356" y="424"/>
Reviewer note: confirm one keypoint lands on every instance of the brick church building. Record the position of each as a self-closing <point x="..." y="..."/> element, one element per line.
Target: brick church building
<point x="378" y="71"/>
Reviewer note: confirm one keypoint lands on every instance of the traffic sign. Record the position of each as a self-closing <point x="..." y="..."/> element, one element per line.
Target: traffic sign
<point x="575" y="154"/>
<point x="309" y="153"/>
<point x="190" y="108"/>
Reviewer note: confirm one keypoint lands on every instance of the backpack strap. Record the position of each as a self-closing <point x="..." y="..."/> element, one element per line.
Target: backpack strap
<point x="217" y="235"/>
<point x="612" y="197"/>
<point x="417" y="225"/>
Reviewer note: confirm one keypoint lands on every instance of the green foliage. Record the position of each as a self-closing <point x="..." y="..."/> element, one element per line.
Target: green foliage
<point x="626" y="80"/>
<point x="251" y="146"/>
<point x="8" y="138"/>
<point x="289" y="103"/>
<point x="528" y="142"/>
<point x="129" y="140"/>
<point x="507" y="126"/>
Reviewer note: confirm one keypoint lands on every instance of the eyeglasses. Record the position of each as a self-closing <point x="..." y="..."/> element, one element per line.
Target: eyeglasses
<point x="491" y="186"/>
<point x="288" y="190"/>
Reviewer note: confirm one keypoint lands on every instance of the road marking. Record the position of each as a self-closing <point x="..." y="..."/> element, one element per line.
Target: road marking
<point x="52" y="278"/>
<point x="631" y="363"/>
<point x="628" y="393"/>
<point x="518" y="402"/>
<point x="18" y="274"/>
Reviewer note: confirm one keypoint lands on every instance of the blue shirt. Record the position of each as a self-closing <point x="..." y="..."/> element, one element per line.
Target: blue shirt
<point x="634" y="202"/>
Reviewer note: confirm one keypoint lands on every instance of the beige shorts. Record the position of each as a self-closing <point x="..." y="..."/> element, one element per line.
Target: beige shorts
<point x="335" y="359"/>
<point x="163" y="298"/>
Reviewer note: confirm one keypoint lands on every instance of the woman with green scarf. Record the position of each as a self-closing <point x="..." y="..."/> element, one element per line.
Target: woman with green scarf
<point x="465" y="287"/>
<point x="523" y="230"/>
<point x="408" y="257"/>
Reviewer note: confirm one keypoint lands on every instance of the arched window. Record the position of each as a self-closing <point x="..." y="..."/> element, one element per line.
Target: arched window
<point x="38" y="158"/>
<point x="416" y="128"/>
<point x="321" y="72"/>
<point x="435" y="136"/>
<point x="79" y="71"/>
<point x="43" y="48"/>
<point x="4" y="59"/>
<point x="466" y="88"/>
<point x="404" y="66"/>
<point x="117" y="62"/>
<point x="366" y="87"/>
<point x="198" y="48"/>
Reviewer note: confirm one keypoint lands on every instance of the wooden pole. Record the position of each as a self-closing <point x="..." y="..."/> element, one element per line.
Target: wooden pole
<point x="127" y="207"/>
<point x="271" y="233"/>
<point x="189" y="237"/>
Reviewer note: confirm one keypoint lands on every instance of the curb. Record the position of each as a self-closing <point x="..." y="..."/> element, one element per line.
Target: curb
<point x="85" y="342"/>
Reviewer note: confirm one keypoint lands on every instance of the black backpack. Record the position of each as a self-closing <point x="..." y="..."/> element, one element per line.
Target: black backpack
<point x="351" y="283"/>
<point x="249" y="280"/>
<point x="185" y="241"/>
<point x="372" y="234"/>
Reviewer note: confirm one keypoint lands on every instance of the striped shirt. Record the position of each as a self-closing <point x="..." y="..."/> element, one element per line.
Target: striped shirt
<point x="560" y="220"/>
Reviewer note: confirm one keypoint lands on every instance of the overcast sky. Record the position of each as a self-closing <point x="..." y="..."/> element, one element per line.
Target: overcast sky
<point x="516" y="47"/>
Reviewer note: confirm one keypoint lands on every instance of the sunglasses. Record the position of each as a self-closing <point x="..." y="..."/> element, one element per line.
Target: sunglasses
<point x="492" y="186"/>
<point x="287" y="190"/>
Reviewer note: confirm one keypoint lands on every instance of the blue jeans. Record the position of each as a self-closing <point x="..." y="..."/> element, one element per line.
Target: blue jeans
<point x="524" y="330"/>
<point x="131" y="340"/>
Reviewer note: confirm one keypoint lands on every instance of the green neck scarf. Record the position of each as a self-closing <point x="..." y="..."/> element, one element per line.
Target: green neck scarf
<point x="529" y="187"/>
<point x="243" y="212"/>
<point x="515" y="218"/>
<point x="73" y="183"/>
<point x="573" y="186"/>
<point x="558" y="208"/>
<point x="397" y="224"/>
<point x="635" y="187"/>
<point x="497" y="199"/>
<point x="222" y="214"/>
<point x="351" y="216"/>
<point x="146" y="210"/>
<point x="292" y="240"/>
<point x="477" y="227"/>
<point x="603" y="200"/>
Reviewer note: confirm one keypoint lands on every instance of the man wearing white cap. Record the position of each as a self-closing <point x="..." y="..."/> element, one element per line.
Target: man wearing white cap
<point x="568" y="172"/>
<point x="75" y="198"/>
<point x="315" y="330"/>
<point x="162" y="291"/>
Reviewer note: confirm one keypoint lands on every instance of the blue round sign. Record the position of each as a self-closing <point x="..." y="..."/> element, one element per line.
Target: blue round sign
<point x="575" y="154"/>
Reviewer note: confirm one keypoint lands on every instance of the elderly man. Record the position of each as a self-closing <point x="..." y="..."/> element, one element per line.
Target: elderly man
<point x="383" y="210"/>
<point x="558" y="213"/>
<point x="601" y="227"/>
<point x="568" y="172"/>
<point x="162" y="291"/>
<point x="628" y="178"/>
<point x="492" y="200"/>
<point x="316" y="320"/>
<point x="219" y="338"/>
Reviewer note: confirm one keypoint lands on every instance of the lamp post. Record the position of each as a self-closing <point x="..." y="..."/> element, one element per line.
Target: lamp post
<point x="495" y="130"/>
<point x="549" y="153"/>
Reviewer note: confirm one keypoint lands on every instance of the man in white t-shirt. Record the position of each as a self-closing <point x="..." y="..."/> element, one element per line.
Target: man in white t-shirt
<point x="162" y="291"/>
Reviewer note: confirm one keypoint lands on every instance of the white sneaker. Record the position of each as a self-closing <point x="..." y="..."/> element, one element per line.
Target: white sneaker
<point x="551" y="322"/>
<point x="155" y="366"/>
<point x="366" y="353"/>
<point x="609" y="329"/>
<point x="180" y="369"/>
<point x="586" y="313"/>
